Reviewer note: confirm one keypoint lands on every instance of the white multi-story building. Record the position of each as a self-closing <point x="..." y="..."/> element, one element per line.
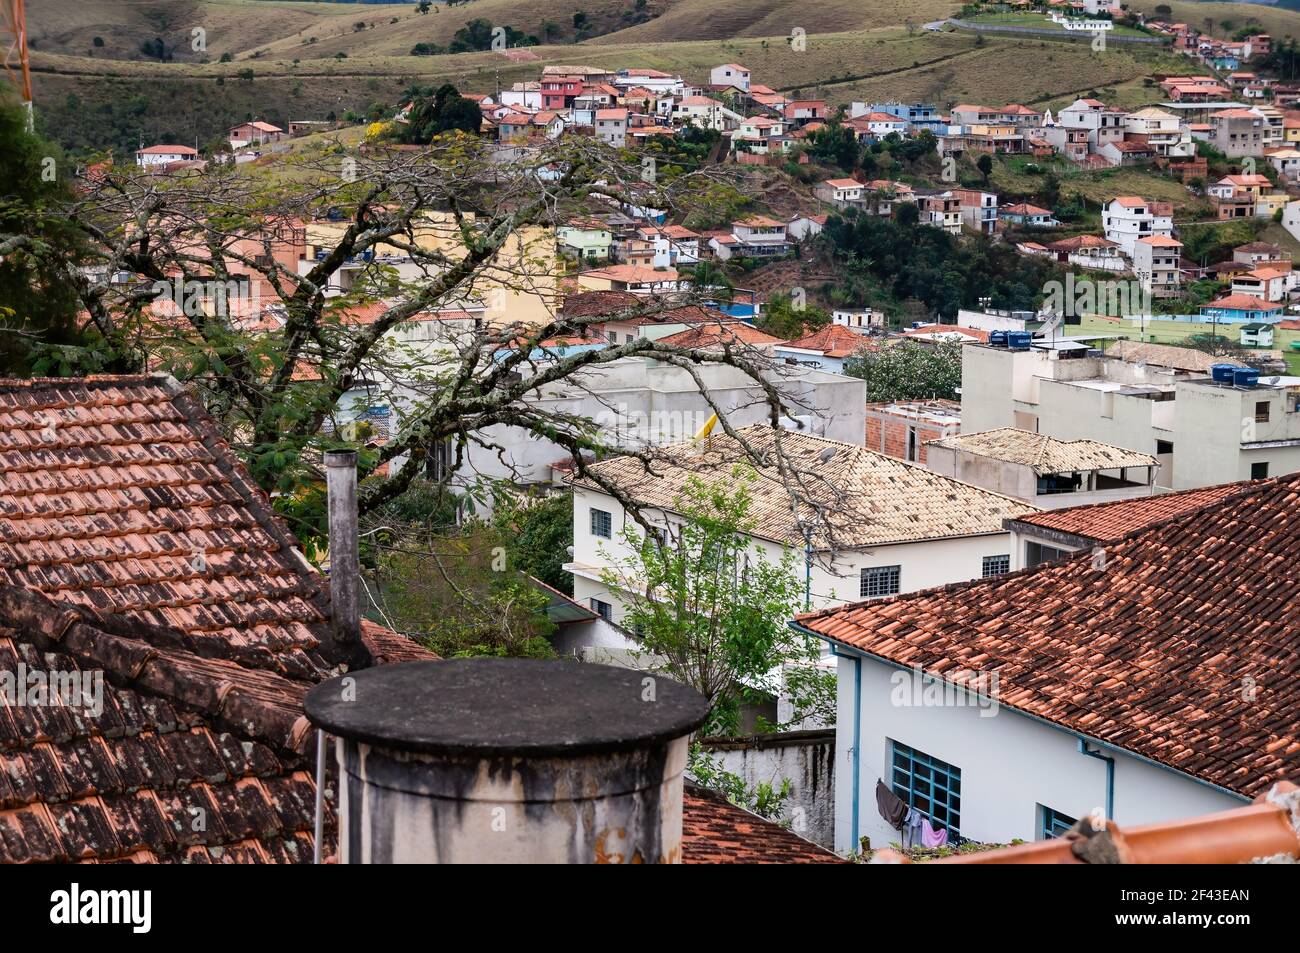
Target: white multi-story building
<point x="1156" y="264"/>
<point x="897" y="527"/>
<point x="1129" y="217"/>
<point x="1153" y="398"/>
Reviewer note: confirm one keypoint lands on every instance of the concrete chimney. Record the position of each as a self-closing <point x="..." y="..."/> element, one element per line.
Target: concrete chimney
<point x="345" y="564"/>
<point x="508" y="761"/>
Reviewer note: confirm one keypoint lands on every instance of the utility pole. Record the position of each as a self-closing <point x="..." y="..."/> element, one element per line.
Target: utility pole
<point x="13" y="25"/>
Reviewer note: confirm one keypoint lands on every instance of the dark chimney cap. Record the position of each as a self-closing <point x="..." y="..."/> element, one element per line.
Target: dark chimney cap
<point x="493" y="707"/>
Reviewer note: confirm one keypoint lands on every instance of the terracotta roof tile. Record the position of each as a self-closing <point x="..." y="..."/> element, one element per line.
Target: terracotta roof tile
<point x="1046" y="455"/>
<point x="874" y="499"/>
<point x="1113" y="520"/>
<point x="714" y="831"/>
<point x="107" y="488"/>
<point x="1147" y="650"/>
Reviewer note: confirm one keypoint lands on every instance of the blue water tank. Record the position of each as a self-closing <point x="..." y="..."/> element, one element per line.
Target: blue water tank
<point x="1222" y="373"/>
<point x="998" y="339"/>
<point x="1019" y="340"/>
<point x="1245" y="377"/>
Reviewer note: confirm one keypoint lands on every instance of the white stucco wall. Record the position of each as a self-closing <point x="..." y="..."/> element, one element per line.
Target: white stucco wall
<point x="923" y="564"/>
<point x="1010" y="764"/>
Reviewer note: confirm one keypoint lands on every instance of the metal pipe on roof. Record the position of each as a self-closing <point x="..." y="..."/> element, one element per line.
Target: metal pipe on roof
<point x="320" y="795"/>
<point x="345" y="563"/>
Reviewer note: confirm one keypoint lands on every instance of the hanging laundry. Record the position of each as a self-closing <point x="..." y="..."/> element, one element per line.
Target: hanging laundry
<point x="912" y="829"/>
<point x="931" y="837"/>
<point x="890" y="805"/>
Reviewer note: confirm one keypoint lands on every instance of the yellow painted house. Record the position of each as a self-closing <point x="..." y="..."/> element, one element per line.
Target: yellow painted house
<point x="519" y="285"/>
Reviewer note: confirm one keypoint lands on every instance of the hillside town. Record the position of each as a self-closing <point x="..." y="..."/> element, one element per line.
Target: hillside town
<point x="613" y="464"/>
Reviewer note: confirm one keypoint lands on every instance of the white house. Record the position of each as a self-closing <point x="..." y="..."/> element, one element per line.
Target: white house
<point x="706" y="113"/>
<point x="651" y="79"/>
<point x="897" y="527"/>
<point x="1007" y="708"/>
<point x="730" y="74"/>
<point x="1157" y="264"/>
<point x="1128" y="217"/>
<point x="163" y="155"/>
<point x="611" y="127"/>
<point x="841" y="193"/>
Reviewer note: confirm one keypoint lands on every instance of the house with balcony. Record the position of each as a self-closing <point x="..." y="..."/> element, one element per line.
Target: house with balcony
<point x="1157" y="265"/>
<point x="872" y="127"/>
<point x="1088" y="251"/>
<point x="1162" y="131"/>
<point x="918" y="116"/>
<point x="1126" y="218"/>
<point x="1272" y="282"/>
<point x="754" y="237"/>
<point x="979" y="210"/>
<point x="940" y="210"/>
<point x="706" y="113"/>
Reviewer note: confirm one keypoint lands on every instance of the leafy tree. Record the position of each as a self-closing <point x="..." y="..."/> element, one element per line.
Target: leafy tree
<point x="835" y="144"/>
<point x="784" y="319"/>
<point x="39" y="330"/>
<point x="457" y="594"/>
<point x="446" y="110"/>
<point x="985" y="164"/>
<point x="539" y="534"/>
<point x="710" y="607"/>
<point x="909" y="370"/>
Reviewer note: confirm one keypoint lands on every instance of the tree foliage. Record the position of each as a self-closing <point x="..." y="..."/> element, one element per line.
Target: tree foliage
<point x="909" y="370"/>
<point x="946" y="272"/>
<point x="710" y="606"/>
<point x="436" y="112"/>
<point x="39" y="332"/>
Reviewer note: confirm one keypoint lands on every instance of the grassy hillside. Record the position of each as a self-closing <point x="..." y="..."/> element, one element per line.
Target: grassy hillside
<point x="253" y="29"/>
<point x="727" y="19"/>
<point x="91" y="102"/>
<point x="1271" y="20"/>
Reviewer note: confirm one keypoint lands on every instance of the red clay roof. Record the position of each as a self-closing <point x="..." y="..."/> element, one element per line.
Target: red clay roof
<point x="714" y="831"/>
<point x="834" y="340"/>
<point x="132" y="543"/>
<point x="109" y="487"/>
<point x="1146" y="650"/>
<point x="1113" y="520"/>
<point x="720" y="335"/>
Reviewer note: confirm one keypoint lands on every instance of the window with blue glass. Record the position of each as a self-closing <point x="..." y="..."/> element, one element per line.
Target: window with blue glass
<point x="931" y="786"/>
<point x="1054" y="823"/>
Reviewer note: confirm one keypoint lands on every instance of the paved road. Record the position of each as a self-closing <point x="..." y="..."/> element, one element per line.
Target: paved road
<point x="935" y="25"/>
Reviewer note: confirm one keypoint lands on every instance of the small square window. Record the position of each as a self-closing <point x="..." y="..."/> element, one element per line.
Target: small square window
<point x="995" y="566"/>
<point x="879" y="581"/>
<point x="602" y="609"/>
<point x="1261" y="411"/>
<point x="1053" y="823"/>
<point x="1258" y="471"/>
<point x="602" y="524"/>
